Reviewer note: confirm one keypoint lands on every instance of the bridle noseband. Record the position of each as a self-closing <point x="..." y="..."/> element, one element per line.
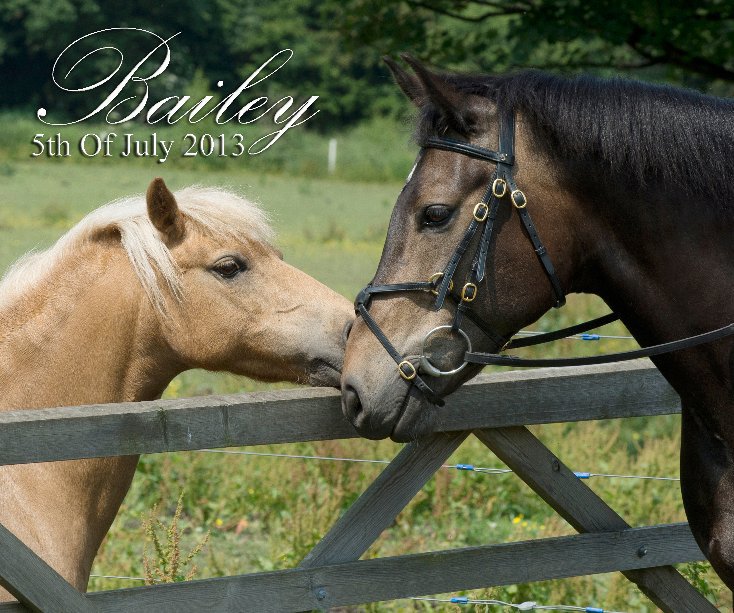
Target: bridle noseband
<point x="501" y="187"/>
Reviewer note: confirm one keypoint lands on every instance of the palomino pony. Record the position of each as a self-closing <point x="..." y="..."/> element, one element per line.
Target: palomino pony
<point x="139" y="291"/>
<point x="631" y="194"/>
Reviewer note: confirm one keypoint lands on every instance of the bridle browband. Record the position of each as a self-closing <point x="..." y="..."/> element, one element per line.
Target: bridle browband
<point x="501" y="187"/>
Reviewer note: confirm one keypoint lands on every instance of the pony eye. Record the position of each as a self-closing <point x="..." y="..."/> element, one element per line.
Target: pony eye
<point x="436" y="214"/>
<point x="228" y="267"/>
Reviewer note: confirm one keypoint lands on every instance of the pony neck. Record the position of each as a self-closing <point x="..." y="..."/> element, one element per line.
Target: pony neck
<point x="84" y="334"/>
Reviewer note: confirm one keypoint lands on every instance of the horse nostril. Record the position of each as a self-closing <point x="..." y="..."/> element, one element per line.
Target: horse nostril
<point x="351" y="403"/>
<point x="346" y="331"/>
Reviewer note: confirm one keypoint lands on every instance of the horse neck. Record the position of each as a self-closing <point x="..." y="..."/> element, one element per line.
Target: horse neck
<point x="83" y="334"/>
<point x="665" y="264"/>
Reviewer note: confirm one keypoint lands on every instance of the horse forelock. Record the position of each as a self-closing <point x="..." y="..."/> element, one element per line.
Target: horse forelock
<point x="616" y="133"/>
<point x="215" y="212"/>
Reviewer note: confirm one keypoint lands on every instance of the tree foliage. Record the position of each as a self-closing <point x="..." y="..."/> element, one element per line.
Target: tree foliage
<point x="338" y="44"/>
<point x="224" y="40"/>
<point x="689" y="43"/>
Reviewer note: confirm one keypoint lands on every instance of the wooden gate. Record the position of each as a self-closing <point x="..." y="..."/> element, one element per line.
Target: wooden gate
<point x="493" y="408"/>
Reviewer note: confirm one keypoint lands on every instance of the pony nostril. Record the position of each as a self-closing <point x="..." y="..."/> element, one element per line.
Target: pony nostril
<point x="351" y="403"/>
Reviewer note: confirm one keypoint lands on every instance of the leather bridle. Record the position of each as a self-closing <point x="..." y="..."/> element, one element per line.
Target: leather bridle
<point x="502" y="187"/>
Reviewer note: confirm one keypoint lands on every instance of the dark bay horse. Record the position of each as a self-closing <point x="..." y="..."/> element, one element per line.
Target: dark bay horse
<point x="631" y="191"/>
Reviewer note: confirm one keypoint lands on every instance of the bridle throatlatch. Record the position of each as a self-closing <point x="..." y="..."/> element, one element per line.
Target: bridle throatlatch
<point x="501" y="188"/>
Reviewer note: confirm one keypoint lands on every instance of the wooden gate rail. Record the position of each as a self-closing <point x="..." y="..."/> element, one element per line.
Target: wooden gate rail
<point x="516" y="398"/>
<point x="496" y="408"/>
<point x="396" y="577"/>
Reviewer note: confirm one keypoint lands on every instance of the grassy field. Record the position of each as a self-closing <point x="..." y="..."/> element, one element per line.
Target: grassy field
<point x="265" y="513"/>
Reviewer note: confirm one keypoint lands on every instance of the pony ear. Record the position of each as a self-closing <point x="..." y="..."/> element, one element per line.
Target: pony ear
<point x="453" y="104"/>
<point x="163" y="210"/>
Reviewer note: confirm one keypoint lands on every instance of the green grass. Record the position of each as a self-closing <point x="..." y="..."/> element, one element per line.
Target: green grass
<point x="266" y="513"/>
<point x="322" y="225"/>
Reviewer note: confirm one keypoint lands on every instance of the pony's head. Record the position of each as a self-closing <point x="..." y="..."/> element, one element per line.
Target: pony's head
<point x="429" y="222"/>
<point x="234" y="303"/>
<point x="200" y="269"/>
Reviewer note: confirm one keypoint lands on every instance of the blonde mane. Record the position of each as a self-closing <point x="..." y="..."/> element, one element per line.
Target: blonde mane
<point x="215" y="210"/>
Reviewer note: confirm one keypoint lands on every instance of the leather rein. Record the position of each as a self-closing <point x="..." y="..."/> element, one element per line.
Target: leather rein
<point x="501" y="188"/>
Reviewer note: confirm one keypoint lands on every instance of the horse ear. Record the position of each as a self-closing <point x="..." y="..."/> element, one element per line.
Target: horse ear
<point x="163" y="210"/>
<point x="453" y="104"/>
<point x="407" y="82"/>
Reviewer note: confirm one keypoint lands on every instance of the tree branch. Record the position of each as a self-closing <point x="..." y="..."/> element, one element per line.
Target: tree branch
<point x="679" y="57"/>
<point x="609" y="64"/>
<point x="695" y="63"/>
<point x="503" y="5"/>
<point x="509" y="10"/>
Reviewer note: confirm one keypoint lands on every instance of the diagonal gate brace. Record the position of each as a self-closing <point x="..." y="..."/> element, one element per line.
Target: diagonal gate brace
<point x="33" y="582"/>
<point x="555" y="483"/>
<point x="376" y="509"/>
<point x="385" y="498"/>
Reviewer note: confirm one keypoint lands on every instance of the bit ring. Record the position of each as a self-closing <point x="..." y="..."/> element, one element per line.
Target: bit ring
<point x="425" y="364"/>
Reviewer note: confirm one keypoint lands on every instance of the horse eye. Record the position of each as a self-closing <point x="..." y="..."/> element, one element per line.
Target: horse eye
<point x="436" y="214"/>
<point x="228" y="267"/>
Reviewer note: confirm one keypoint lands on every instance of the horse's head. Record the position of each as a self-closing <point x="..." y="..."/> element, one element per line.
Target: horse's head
<point x="431" y="217"/>
<point x="231" y="302"/>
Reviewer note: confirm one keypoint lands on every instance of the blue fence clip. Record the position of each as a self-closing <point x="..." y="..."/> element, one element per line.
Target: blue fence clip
<point x="464" y="467"/>
<point x="463" y="600"/>
<point x="586" y="476"/>
<point x="590" y="337"/>
<point x="593" y="610"/>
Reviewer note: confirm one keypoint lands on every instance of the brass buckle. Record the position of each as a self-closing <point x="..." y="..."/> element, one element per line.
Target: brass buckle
<point x="481" y="210"/>
<point x="410" y="375"/>
<point x="435" y="277"/>
<point x="496" y="185"/>
<point x="468" y="292"/>
<point x="518" y="199"/>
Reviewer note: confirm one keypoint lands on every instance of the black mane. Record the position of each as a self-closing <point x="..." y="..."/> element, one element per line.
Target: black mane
<point x="619" y="134"/>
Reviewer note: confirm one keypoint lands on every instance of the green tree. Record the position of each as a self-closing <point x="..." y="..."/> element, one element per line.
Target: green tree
<point x="352" y="85"/>
<point x="224" y="40"/>
<point x="691" y="43"/>
<point x="34" y="32"/>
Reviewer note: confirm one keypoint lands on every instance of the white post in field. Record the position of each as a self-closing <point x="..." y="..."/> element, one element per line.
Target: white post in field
<point x="332" y="156"/>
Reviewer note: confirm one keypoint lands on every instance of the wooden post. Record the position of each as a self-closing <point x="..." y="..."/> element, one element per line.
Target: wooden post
<point x="331" y="162"/>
